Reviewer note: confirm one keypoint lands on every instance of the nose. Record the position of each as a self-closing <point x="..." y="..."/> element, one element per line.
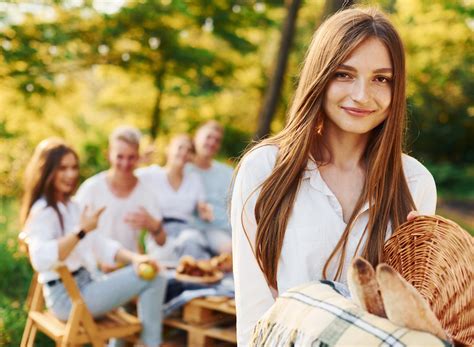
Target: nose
<point x="360" y="91"/>
<point x="71" y="173"/>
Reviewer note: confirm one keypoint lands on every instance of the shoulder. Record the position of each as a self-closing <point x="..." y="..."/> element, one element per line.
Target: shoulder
<point x="94" y="181"/>
<point x="148" y="171"/>
<point x="41" y="211"/>
<point x="260" y="158"/>
<point x="222" y="167"/>
<point x="415" y="171"/>
<point x="192" y="176"/>
<point x="39" y="206"/>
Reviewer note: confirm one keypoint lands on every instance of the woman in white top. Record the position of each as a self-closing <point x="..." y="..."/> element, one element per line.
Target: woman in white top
<point x="56" y="232"/>
<point x="180" y="195"/>
<point x="334" y="182"/>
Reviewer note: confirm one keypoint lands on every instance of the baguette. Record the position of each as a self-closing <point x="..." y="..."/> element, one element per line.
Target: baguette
<point x="364" y="287"/>
<point x="404" y="305"/>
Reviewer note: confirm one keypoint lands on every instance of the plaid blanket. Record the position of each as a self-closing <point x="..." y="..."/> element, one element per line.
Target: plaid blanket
<point x="316" y="314"/>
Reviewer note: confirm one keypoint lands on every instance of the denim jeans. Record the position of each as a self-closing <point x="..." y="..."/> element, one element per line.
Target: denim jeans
<point x="114" y="290"/>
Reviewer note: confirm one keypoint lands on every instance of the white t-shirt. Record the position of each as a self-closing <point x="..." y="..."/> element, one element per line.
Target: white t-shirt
<point x="43" y="230"/>
<point x="314" y="228"/>
<point x="95" y="193"/>
<point x="179" y="204"/>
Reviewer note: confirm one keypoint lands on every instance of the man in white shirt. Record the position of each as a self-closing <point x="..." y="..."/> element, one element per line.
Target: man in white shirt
<point x="130" y="206"/>
<point x="216" y="178"/>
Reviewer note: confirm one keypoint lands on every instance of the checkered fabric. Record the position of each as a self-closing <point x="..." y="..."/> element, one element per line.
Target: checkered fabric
<point x="317" y="315"/>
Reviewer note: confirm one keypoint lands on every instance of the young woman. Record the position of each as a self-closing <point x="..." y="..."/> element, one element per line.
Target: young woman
<point x="57" y="231"/>
<point x="334" y="182"/>
<point x="180" y="194"/>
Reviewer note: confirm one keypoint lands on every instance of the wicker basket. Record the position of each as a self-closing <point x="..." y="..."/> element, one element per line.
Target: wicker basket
<point x="436" y="256"/>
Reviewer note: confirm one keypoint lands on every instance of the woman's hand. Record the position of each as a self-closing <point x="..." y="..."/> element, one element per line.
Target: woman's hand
<point x="205" y="211"/>
<point x="138" y="259"/>
<point x="89" y="221"/>
<point x="142" y="219"/>
<point x="412" y="215"/>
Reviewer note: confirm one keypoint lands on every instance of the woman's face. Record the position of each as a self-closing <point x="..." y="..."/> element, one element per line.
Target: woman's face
<point x="66" y="176"/>
<point x="123" y="156"/>
<point x="180" y="151"/>
<point x="358" y="97"/>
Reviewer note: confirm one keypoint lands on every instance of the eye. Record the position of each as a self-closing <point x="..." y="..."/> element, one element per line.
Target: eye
<point x="342" y="75"/>
<point x="383" y="79"/>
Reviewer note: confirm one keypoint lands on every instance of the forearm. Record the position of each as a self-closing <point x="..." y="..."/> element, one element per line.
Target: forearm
<point x="159" y="235"/>
<point x="66" y="244"/>
<point x="124" y="256"/>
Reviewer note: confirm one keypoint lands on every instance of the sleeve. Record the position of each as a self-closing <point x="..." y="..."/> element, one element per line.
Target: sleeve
<point x="199" y="186"/>
<point x="424" y="194"/>
<point x="252" y="293"/>
<point x="155" y="209"/>
<point x="43" y="229"/>
<point x="82" y="196"/>
<point x="104" y="249"/>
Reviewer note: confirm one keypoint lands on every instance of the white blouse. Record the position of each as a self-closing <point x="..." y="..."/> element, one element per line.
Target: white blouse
<point x="43" y="230"/>
<point x="314" y="228"/>
<point x="178" y="203"/>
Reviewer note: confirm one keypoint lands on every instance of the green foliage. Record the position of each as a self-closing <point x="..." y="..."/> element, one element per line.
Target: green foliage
<point x="439" y="44"/>
<point x="453" y="182"/>
<point x="235" y="142"/>
<point x="15" y="273"/>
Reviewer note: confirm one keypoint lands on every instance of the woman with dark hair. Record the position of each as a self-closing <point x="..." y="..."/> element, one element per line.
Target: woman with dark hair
<point x="56" y="231"/>
<point x="334" y="182"/>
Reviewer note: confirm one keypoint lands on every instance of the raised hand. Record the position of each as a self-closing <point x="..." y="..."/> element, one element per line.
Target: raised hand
<point x="205" y="211"/>
<point x="90" y="220"/>
<point x="142" y="219"/>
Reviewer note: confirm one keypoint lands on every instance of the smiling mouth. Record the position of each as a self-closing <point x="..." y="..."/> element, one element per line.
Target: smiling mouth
<point x="357" y="111"/>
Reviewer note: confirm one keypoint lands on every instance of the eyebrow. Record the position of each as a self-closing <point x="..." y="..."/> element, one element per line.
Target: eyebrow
<point x="381" y="70"/>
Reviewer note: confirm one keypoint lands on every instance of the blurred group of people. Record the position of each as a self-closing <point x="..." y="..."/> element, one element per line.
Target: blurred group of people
<point x="117" y="215"/>
<point x="180" y="206"/>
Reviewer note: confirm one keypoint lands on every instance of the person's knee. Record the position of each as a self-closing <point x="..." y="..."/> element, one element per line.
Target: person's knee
<point x="159" y="282"/>
<point x="191" y="235"/>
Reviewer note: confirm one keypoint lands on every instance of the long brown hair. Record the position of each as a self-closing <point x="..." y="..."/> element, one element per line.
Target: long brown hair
<point x="385" y="187"/>
<point x="40" y="174"/>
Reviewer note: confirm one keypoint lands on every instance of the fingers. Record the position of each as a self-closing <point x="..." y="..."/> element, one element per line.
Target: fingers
<point x="99" y="211"/>
<point x="412" y="215"/>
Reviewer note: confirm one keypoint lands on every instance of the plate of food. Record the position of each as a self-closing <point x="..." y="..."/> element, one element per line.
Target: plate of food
<point x="197" y="271"/>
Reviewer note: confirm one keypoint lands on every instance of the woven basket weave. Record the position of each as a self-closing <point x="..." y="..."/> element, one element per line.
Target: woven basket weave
<point x="436" y="256"/>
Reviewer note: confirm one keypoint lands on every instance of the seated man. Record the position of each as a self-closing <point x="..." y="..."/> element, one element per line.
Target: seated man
<point x="216" y="178"/>
<point x="130" y="207"/>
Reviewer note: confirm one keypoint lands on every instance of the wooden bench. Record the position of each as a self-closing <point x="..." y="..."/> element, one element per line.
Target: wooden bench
<point x="207" y="322"/>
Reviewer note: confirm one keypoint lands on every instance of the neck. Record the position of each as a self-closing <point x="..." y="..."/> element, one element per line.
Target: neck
<point x="174" y="170"/>
<point x="203" y="162"/>
<point x="119" y="179"/>
<point x="344" y="150"/>
<point x="60" y="197"/>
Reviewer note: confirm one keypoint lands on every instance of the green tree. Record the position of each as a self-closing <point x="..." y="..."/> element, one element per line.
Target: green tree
<point x="183" y="46"/>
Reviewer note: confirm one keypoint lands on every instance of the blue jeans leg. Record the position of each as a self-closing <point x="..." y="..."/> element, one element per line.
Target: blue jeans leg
<point x="118" y="287"/>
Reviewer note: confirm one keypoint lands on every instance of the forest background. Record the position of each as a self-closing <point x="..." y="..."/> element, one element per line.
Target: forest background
<point x="78" y="68"/>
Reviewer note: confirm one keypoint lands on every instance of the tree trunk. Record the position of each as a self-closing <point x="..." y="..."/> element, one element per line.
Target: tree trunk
<point x="156" y="114"/>
<point x="273" y="91"/>
<point x="274" y="88"/>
